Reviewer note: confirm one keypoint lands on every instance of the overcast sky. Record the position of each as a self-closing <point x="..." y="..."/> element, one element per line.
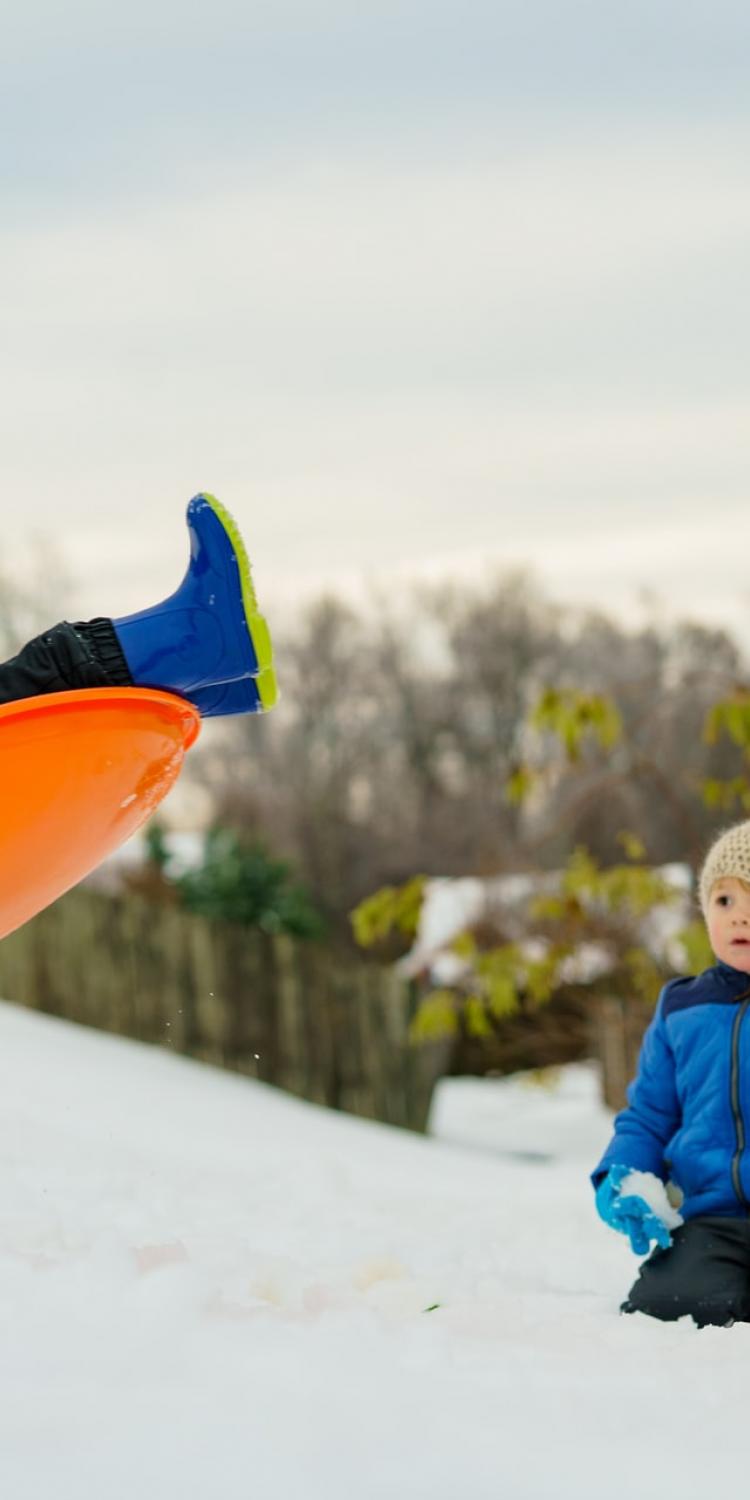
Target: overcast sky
<point x="413" y="287"/>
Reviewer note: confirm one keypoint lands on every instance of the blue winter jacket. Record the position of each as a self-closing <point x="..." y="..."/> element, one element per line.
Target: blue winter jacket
<point x="688" y="1115"/>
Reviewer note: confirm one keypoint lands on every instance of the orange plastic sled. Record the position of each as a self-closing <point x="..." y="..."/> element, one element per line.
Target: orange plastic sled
<point x="80" y="772"/>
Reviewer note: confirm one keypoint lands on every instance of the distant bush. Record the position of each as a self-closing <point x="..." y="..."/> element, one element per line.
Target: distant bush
<point x="240" y="882"/>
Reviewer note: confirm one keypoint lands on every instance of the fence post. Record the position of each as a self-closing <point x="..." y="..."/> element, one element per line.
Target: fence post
<point x="618" y="1027"/>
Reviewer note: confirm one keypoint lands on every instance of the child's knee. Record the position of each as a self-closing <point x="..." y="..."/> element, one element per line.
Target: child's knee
<point x="705" y="1314"/>
<point x="670" y="1297"/>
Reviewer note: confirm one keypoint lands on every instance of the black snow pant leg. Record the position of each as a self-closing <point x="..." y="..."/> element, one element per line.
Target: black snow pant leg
<point x="705" y="1274"/>
<point x="84" y="655"/>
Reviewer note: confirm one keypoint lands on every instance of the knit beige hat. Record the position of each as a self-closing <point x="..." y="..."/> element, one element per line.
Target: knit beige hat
<point x="728" y="855"/>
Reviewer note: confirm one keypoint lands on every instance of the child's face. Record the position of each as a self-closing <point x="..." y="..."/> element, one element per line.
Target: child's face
<point x="728" y="922"/>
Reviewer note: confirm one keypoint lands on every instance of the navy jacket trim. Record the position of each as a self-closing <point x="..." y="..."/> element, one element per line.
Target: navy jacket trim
<point x="719" y="985"/>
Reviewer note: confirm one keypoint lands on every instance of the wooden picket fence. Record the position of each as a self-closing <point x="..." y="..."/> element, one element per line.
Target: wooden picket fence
<point x="324" y="1026"/>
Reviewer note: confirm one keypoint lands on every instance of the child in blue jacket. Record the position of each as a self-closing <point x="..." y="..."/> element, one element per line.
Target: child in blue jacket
<point x="688" y="1122"/>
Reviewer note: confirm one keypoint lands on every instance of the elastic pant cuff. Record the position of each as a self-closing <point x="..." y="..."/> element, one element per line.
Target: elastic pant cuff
<point x="100" y="639"/>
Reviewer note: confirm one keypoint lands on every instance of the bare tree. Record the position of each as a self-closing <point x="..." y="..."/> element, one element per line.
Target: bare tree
<point x="402" y="724"/>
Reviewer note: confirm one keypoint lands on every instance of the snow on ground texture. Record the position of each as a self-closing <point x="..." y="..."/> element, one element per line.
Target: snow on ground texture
<point x="210" y="1290"/>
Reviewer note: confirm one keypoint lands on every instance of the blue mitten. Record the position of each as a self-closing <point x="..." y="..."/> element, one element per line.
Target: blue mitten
<point x="629" y="1214"/>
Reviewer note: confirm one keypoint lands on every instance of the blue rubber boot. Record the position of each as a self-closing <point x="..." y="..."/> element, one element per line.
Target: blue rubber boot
<point x="209" y="632"/>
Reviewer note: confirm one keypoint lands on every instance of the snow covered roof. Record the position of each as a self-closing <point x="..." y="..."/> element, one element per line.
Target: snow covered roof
<point x="451" y="905"/>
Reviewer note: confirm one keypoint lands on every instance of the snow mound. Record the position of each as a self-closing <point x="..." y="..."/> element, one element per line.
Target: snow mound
<point x="210" y="1289"/>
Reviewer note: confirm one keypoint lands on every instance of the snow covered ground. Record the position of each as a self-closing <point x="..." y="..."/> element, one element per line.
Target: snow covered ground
<point x="209" y="1291"/>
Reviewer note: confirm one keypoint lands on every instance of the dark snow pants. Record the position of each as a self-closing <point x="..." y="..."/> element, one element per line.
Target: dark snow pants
<point x="705" y="1273"/>
<point x="85" y="655"/>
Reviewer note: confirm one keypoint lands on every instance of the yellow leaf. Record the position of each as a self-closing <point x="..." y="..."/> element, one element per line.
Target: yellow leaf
<point x="634" y="847"/>
<point x="436" y="1018"/>
<point x="518" y="786"/>
<point x="477" y="1024"/>
<point x="502" y="996"/>
<point x="464" y="945"/>
<point x="391" y="907"/>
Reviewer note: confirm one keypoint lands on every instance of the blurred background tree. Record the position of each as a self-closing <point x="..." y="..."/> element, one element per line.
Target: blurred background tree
<point x="403" y="724"/>
<point x="33" y="597"/>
